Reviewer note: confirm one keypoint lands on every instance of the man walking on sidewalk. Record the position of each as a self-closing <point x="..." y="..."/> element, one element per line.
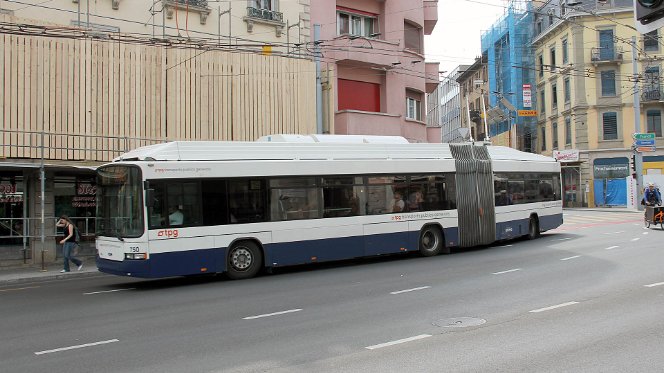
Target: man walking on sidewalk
<point x="69" y="243"/>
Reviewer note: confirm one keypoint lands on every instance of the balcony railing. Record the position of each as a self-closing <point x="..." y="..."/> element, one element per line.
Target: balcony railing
<point x="651" y="94"/>
<point x="266" y="14"/>
<point x="196" y="3"/>
<point x="601" y="54"/>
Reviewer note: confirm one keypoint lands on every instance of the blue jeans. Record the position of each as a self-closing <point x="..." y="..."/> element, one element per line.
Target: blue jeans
<point x="67" y="249"/>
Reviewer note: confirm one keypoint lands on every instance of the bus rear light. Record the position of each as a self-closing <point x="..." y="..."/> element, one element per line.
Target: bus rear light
<point x="203" y="269"/>
<point x="136" y="256"/>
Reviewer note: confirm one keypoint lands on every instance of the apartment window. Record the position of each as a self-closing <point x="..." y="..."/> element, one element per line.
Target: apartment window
<point x="539" y="27"/>
<point x="654" y="122"/>
<point x="652" y="81"/>
<point x="542" y="104"/>
<point x="543" y="131"/>
<point x="610" y="126"/>
<point x="412" y="37"/>
<point x="554" y="134"/>
<point x="413" y="105"/>
<point x="264" y="4"/>
<point x="552" y="53"/>
<point x="567" y="90"/>
<point x="565" y="52"/>
<point x="651" y="41"/>
<point x="554" y="95"/>
<point x="540" y="65"/>
<point x="356" y="24"/>
<point x="568" y="131"/>
<point x="608" y="83"/>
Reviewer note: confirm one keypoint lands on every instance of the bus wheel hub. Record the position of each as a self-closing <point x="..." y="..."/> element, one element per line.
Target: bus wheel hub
<point x="241" y="258"/>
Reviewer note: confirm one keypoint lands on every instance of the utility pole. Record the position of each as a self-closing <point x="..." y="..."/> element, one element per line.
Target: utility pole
<point x="229" y="24"/>
<point x="638" y="157"/>
<point x="319" y="81"/>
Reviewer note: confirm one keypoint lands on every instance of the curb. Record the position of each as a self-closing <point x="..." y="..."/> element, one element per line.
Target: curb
<point x="45" y="277"/>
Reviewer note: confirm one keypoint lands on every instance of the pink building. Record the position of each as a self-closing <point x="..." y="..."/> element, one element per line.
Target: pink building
<point x="376" y="49"/>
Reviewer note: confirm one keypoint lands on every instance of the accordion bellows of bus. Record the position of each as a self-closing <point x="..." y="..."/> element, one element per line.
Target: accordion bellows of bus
<point x="196" y="207"/>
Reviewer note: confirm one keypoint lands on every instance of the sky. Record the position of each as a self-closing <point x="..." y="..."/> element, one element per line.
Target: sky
<point x="456" y="39"/>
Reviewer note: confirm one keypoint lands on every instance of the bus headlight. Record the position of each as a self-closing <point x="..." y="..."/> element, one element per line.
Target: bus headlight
<point x="136" y="256"/>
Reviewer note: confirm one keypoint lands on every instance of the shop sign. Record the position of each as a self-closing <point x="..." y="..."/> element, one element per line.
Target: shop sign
<point x="85" y="195"/>
<point x="611" y="168"/>
<point x="527" y="96"/>
<point x="564" y="156"/>
<point x="7" y="188"/>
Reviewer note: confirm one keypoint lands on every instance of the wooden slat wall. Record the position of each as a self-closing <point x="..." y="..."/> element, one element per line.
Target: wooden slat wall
<point x="96" y="99"/>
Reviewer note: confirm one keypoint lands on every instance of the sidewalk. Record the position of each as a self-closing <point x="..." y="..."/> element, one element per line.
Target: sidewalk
<point x="34" y="273"/>
<point x="603" y="209"/>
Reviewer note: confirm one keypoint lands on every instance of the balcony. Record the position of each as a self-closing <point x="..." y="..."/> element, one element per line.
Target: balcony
<point x="432" y="78"/>
<point x="430" y="16"/>
<point x="361" y="49"/>
<point x="651" y="94"/>
<point x="601" y="55"/>
<point x="265" y="16"/>
<point x="199" y="6"/>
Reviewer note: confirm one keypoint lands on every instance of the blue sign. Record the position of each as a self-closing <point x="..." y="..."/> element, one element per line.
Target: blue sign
<point x="645" y="142"/>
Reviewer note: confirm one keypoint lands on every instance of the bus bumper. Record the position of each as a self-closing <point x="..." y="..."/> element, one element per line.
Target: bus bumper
<point x="131" y="268"/>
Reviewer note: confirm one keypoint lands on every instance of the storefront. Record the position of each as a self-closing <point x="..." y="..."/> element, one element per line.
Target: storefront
<point x="573" y="193"/>
<point x="74" y="195"/>
<point x="610" y="187"/>
<point x="13" y="210"/>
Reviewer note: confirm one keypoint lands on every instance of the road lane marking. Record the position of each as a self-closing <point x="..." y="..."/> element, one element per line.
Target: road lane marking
<point x="16" y="289"/>
<point x="76" y="347"/>
<point x="564" y="239"/>
<point x="645" y="232"/>
<point x="409" y="290"/>
<point x="553" y="307"/>
<point x="635" y="239"/>
<point x="506" y="246"/>
<point x="272" y="314"/>
<point x="655" y="284"/>
<point x="615" y="232"/>
<point x="612" y="247"/>
<point x="399" y="341"/>
<point x="108" y="291"/>
<point x="508" y="271"/>
<point x="571" y="257"/>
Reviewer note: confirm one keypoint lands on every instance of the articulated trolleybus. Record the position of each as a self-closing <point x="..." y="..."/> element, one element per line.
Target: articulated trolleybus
<point x="187" y="208"/>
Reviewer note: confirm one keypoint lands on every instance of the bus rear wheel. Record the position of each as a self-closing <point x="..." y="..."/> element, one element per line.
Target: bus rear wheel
<point x="244" y="260"/>
<point x="533" y="228"/>
<point x="431" y="241"/>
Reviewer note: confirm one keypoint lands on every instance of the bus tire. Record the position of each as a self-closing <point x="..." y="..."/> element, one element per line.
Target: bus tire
<point x="533" y="228"/>
<point x="244" y="260"/>
<point x="431" y="241"/>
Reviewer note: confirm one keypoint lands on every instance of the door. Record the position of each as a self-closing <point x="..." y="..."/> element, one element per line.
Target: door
<point x="606" y="45"/>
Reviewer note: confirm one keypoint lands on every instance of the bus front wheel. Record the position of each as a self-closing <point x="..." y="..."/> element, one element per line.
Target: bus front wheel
<point x="431" y="241"/>
<point x="244" y="260"/>
<point x="533" y="228"/>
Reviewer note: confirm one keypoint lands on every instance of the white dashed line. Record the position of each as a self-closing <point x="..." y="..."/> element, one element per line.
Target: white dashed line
<point x="76" y="347"/>
<point x="615" y="232"/>
<point x="612" y="247"/>
<point x="564" y="239"/>
<point x="635" y="239"/>
<point x="571" y="257"/>
<point x="271" y="314"/>
<point x="645" y="232"/>
<point x="553" y="307"/>
<point x="508" y="271"/>
<point x="655" y="284"/>
<point x="108" y="291"/>
<point x="387" y="344"/>
<point x="506" y="246"/>
<point x="409" y="290"/>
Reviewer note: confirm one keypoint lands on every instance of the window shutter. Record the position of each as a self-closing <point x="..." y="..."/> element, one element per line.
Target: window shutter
<point x="610" y="126"/>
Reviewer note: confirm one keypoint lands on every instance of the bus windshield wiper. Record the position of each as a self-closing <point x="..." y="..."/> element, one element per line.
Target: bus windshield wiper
<point x="119" y="236"/>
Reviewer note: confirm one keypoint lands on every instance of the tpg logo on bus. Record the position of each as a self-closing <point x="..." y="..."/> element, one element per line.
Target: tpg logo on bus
<point x="170" y="233"/>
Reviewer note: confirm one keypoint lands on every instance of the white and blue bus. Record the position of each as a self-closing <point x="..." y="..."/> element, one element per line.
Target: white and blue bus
<point x="187" y="208"/>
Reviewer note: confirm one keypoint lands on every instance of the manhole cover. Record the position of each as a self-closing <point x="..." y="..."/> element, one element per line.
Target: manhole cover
<point x="459" y="322"/>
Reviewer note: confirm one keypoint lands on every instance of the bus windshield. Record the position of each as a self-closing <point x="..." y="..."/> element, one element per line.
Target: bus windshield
<point x="119" y="207"/>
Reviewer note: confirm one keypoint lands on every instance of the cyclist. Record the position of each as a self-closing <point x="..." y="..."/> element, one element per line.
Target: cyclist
<point x="651" y="196"/>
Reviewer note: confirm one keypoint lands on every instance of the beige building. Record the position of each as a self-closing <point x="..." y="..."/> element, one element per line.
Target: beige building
<point x="585" y="97"/>
<point x="474" y="84"/>
<point x="76" y="97"/>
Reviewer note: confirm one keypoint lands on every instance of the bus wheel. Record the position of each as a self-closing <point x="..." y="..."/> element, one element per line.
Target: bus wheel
<point x="431" y="241"/>
<point x="244" y="260"/>
<point x="533" y="228"/>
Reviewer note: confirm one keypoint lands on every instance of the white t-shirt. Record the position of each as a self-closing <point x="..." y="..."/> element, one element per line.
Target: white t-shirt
<point x="176" y="218"/>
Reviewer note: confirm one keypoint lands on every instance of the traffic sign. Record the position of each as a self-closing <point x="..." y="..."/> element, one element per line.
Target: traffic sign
<point x="644" y="136"/>
<point x="643" y="149"/>
<point x="527" y="113"/>
<point x="648" y="142"/>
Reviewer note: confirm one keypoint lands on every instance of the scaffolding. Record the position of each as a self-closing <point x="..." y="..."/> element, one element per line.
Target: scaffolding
<point x="507" y="45"/>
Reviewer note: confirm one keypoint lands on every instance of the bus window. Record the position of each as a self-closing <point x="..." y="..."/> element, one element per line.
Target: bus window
<point x="215" y="202"/>
<point x="246" y="198"/>
<point x="183" y="201"/>
<point x="341" y="197"/>
<point x="294" y="199"/>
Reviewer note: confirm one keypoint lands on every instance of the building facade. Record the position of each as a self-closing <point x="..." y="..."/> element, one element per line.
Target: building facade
<point x="510" y="59"/>
<point x="449" y="92"/>
<point x="473" y="83"/>
<point x="374" y="51"/>
<point x="586" y="98"/>
<point x="73" y="98"/>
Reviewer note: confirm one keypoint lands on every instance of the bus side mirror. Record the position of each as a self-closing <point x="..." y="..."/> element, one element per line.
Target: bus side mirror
<point x="149" y="198"/>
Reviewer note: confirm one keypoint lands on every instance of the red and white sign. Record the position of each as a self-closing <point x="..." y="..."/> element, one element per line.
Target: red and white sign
<point x="527" y="96"/>
<point x="563" y="156"/>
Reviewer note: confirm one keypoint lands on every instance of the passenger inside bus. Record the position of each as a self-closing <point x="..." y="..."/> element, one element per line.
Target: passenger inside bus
<point x="175" y="215"/>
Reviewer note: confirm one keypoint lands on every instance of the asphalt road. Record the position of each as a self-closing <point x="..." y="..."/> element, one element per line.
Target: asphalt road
<point x="587" y="297"/>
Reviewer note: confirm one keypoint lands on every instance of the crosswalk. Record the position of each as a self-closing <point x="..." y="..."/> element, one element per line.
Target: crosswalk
<point x="601" y="218"/>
